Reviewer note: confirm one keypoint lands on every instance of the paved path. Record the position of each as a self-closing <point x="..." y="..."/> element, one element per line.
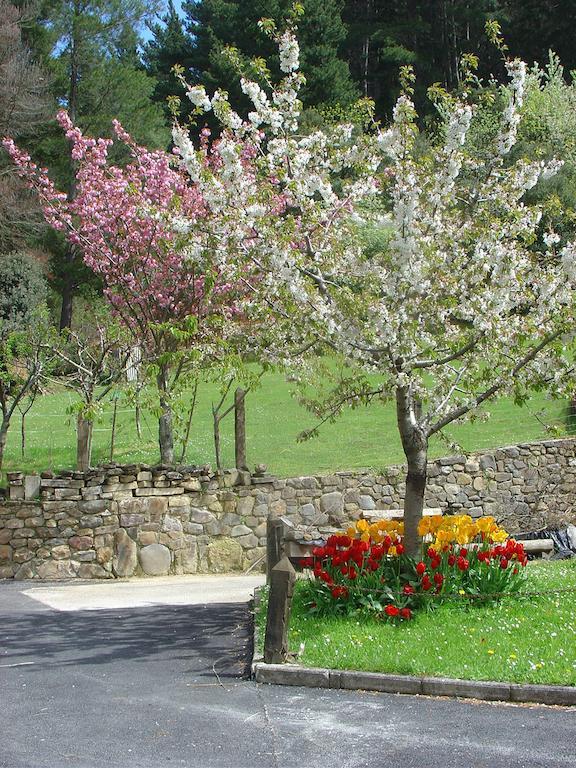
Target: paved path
<point x="95" y="676"/>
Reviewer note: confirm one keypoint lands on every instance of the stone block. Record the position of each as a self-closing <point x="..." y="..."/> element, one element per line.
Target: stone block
<point x="332" y="505"/>
<point x="180" y="503"/>
<point x="104" y="555"/>
<point x="67" y="494"/>
<point x="22" y="555"/>
<point x="91" y="521"/>
<point x="158" y="491"/>
<point x="201" y="515"/>
<point x="373" y="681"/>
<point x="240" y="530"/>
<point x="248" y="541"/>
<point x="126" y="521"/>
<point x="487" y="462"/>
<point x="155" y="559"/>
<point x="87" y="556"/>
<point x="191" y="485"/>
<point x="245" y="506"/>
<point x="34" y="522"/>
<point x="475" y="689"/>
<point x="171" y="524"/>
<point x="93" y="571"/>
<point x="5" y="552"/>
<point x="225" y="555"/>
<point x="287" y="674"/>
<point x="195" y="529"/>
<point x="60" y="552"/>
<point x="31" y="486"/>
<point x="186" y="559"/>
<point x="126" y="554"/>
<point x="80" y="542"/>
<point x="25" y="571"/>
<point x="56" y="569"/>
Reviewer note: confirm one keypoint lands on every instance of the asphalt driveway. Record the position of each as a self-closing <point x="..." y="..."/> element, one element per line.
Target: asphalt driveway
<point x="152" y="674"/>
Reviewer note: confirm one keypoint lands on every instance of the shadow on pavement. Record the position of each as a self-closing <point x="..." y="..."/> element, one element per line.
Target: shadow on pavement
<point x="200" y="635"/>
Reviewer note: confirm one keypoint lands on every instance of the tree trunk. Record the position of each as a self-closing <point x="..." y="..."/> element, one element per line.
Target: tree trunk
<point x="67" y="291"/>
<point x="3" y="435"/>
<point x="415" y="445"/>
<point x="83" y="443"/>
<point x="113" y="435"/>
<point x="165" y="426"/>
<point x="240" y="428"/>
<point x="69" y="286"/>
<point x="216" y="426"/>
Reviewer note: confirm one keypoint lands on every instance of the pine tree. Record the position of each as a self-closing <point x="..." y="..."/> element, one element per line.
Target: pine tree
<point x="214" y="24"/>
<point x="169" y="46"/>
<point x="96" y="73"/>
<point x="533" y="27"/>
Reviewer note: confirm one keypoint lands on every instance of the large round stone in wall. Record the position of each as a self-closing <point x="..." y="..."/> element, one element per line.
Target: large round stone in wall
<point x="155" y="559"/>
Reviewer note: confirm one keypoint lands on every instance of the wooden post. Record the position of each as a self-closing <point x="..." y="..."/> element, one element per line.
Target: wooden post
<point x="240" y="428"/>
<point x="274" y="544"/>
<point x="283" y="578"/>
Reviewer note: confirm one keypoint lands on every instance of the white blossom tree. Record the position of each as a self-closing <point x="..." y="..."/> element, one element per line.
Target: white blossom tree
<point x="464" y="299"/>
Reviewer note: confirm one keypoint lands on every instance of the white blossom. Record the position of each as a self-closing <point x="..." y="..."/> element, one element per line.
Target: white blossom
<point x="289" y="53"/>
<point x="198" y="97"/>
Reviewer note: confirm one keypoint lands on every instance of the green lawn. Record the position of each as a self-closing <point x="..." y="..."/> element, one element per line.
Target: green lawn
<point x="362" y="438"/>
<point x="524" y="640"/>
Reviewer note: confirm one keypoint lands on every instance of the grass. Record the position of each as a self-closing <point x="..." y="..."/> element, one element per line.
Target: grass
<point x="361" y="438"/>
<point x="523" y="640"/>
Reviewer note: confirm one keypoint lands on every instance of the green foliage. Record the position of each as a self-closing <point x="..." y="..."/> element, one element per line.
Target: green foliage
<point x="547" y="130"/>
<point x="22" y="290"/>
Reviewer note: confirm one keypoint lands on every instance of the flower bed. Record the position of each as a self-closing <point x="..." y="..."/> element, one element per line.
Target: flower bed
<point x="366" y="570"/>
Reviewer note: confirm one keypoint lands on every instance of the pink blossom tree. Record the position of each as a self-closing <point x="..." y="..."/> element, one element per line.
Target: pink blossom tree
<point x="132" y="225"/>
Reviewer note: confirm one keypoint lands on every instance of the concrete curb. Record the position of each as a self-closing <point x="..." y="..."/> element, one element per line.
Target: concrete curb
<point x="257" y="657"/>
<point x="350" y="680"/>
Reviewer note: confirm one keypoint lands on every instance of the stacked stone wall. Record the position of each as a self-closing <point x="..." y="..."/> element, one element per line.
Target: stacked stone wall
<point x="116" y="522"/>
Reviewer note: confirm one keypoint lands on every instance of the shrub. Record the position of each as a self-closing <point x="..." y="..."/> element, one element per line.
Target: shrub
<point x="367" y="570"/>
<point x="22" y="290"/>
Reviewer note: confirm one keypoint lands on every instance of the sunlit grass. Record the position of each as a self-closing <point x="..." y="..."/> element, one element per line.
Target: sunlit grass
<point x="361" y="438"/>
<point x="524" y="640"/>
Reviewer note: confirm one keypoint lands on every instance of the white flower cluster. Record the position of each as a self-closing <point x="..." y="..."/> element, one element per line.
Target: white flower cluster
<point x="511" y="116"/>
<point x="263" y="113"/>
<point x="188" y="156"/>
<point x="289" y="53"/>
<point x="199" y="98"/>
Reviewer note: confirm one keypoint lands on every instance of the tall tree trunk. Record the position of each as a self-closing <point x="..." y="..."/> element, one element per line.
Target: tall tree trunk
<point x="415" y="445"/>
<point x="70" y="255"/>
<point x="3" y="435"/>
<point x="240" y="428"/>
<point x="165" y="426"/>
<point x="83" y="443"/>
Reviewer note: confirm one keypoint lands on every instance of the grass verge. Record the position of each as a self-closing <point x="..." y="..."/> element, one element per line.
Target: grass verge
<point x="522" y="640"/>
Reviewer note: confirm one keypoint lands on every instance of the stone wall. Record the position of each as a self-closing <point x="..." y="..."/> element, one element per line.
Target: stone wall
<point x="137" y="520"/>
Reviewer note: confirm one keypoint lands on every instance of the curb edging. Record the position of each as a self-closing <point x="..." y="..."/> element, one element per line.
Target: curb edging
<point x="352" y="680"/>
